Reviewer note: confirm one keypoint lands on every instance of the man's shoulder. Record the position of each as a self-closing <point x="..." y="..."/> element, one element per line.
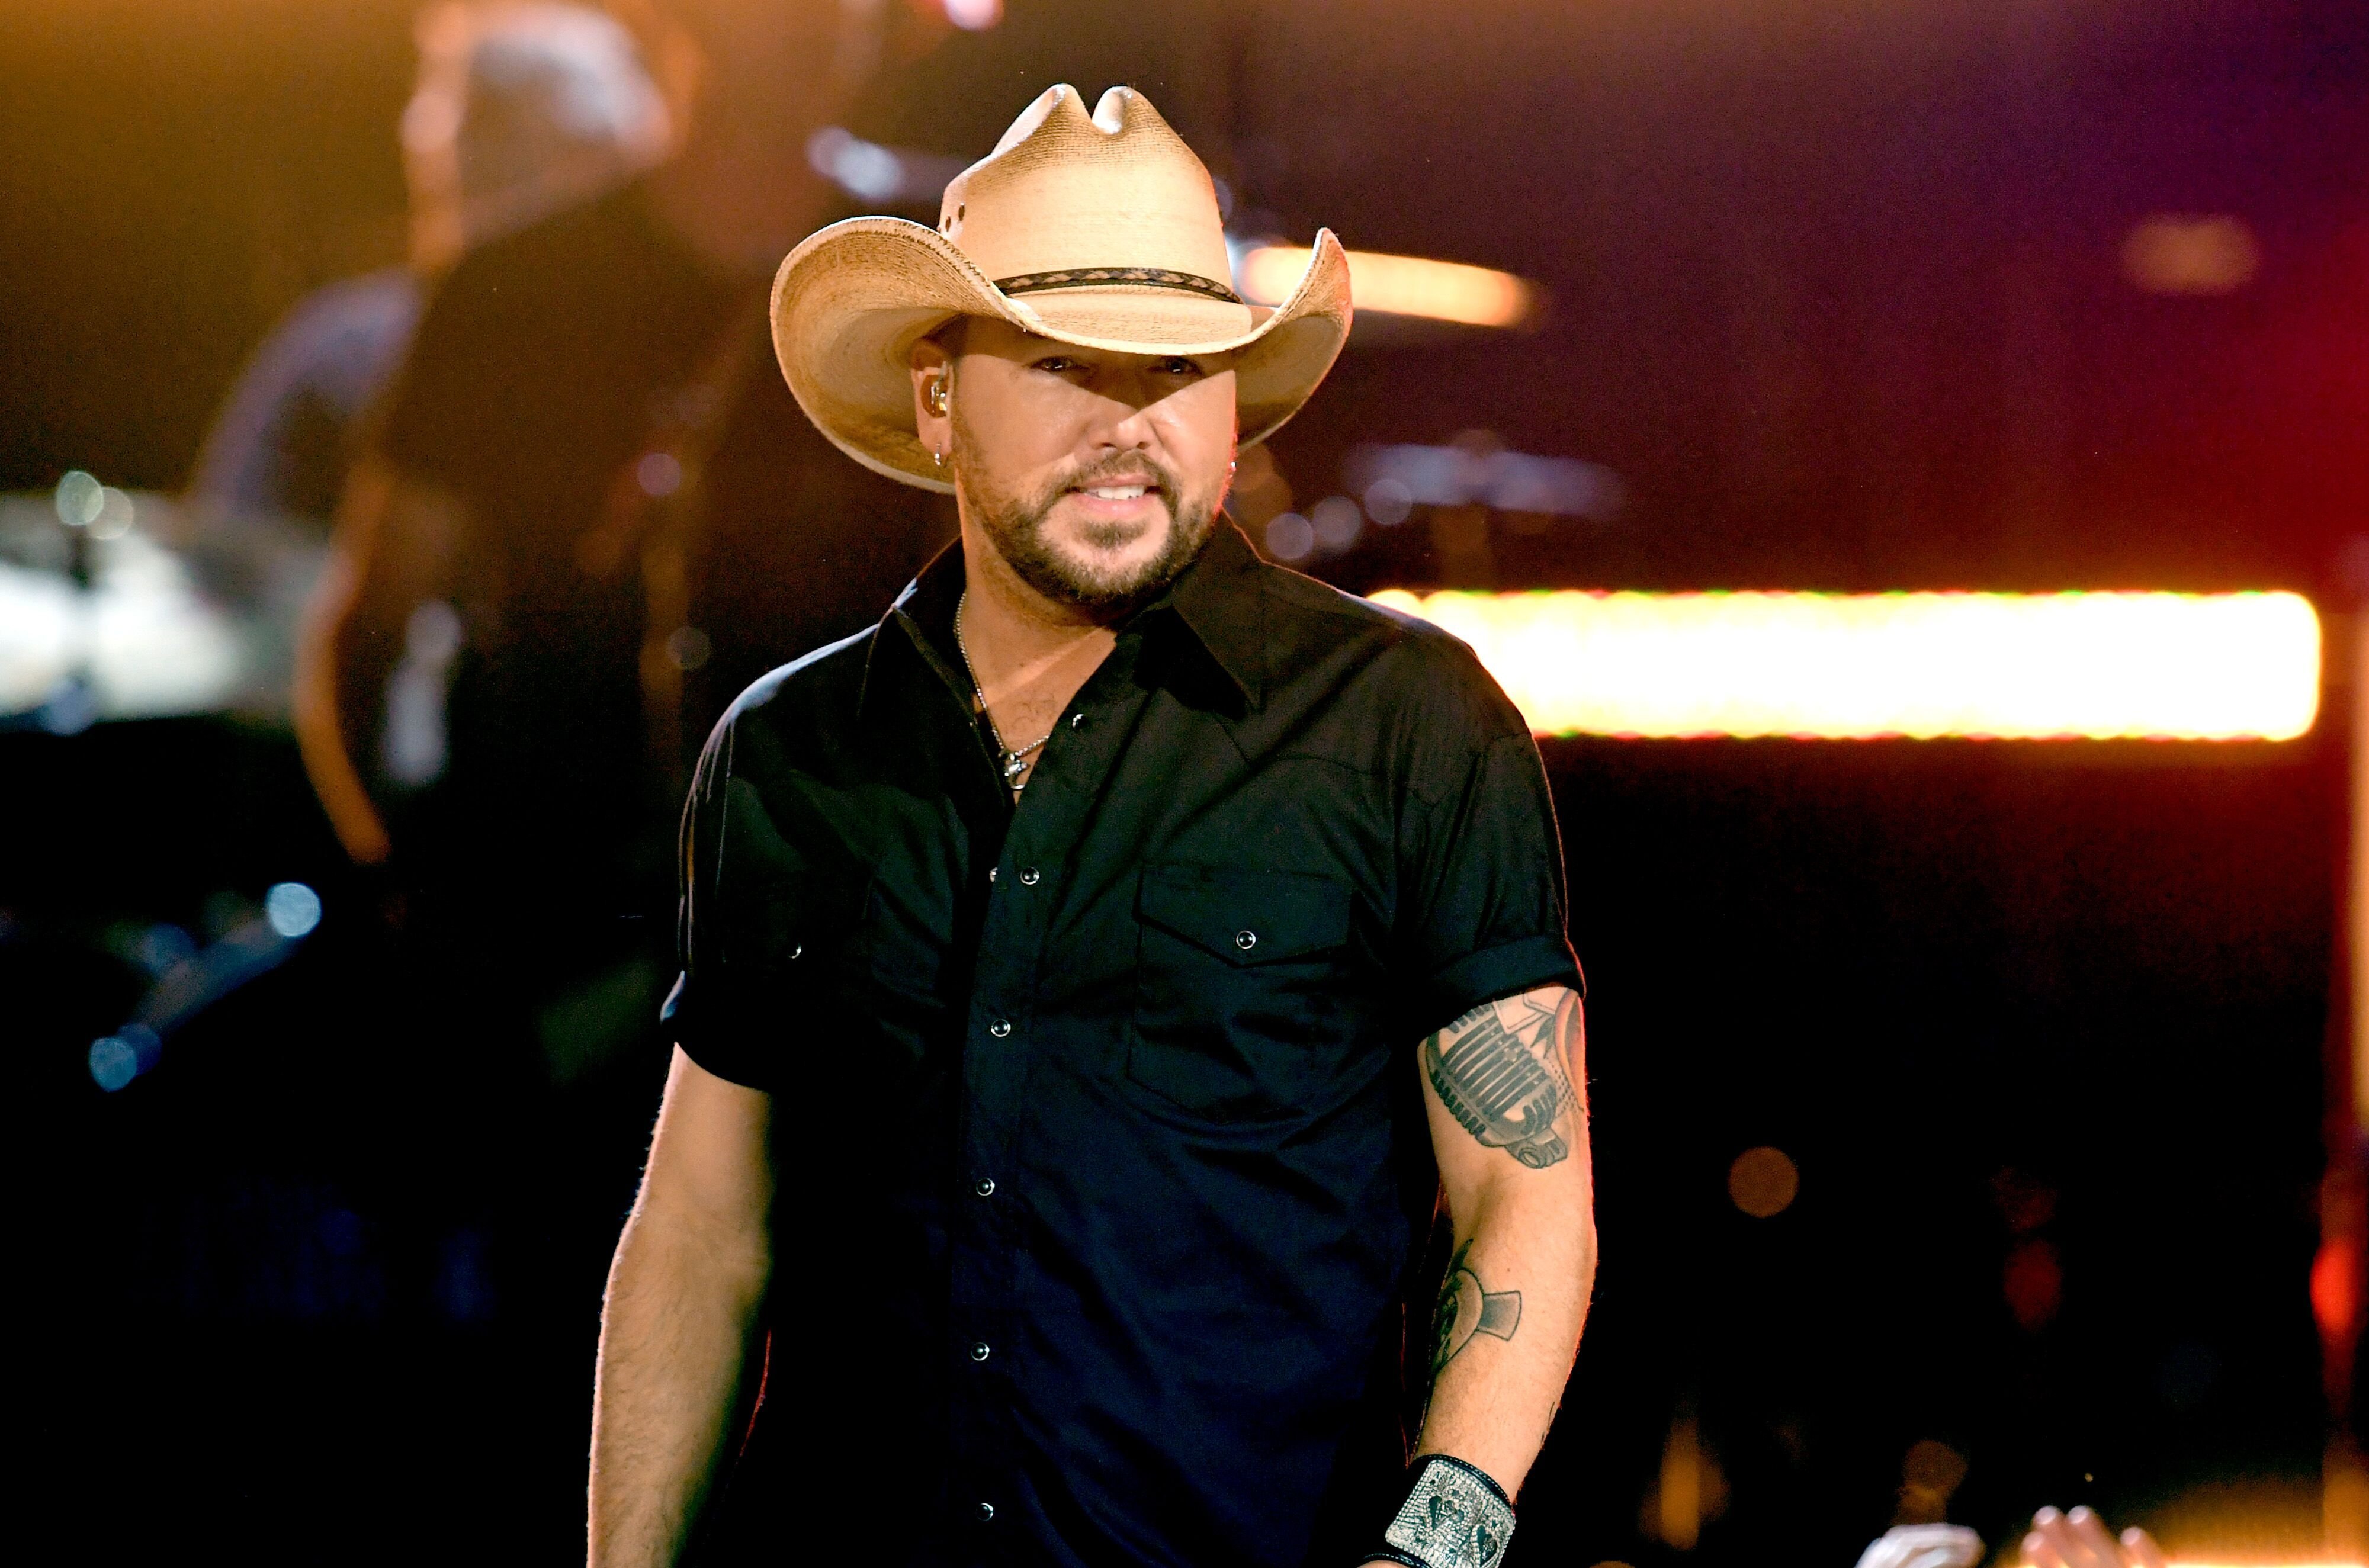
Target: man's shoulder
<point x="1414" y="665"/>
<point x="822" y="685"/>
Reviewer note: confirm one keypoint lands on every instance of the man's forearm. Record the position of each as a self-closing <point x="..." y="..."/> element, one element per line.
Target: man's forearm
<point x="676" y="1328"/>
<point x="1504" y="1091"/>
<point x="1506" y="1328"/>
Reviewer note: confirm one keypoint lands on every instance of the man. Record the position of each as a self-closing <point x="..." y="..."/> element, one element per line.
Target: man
<point x="1097" y="974"/>
<point x="590" y="515"/>
<point x="521" y="109"/>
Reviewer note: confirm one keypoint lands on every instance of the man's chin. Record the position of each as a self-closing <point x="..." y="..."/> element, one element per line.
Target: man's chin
<point x="1108" y="580"/>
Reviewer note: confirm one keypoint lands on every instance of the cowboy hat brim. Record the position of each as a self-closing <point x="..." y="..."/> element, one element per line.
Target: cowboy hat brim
<point x="850" y="302"/>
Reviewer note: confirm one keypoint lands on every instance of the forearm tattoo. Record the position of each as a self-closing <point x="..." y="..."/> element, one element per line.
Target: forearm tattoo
<point x="1502" y="1073"/>
<point x="1466" y="1309"/>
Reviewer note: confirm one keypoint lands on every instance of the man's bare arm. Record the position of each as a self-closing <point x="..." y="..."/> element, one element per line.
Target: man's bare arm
<point x="679" y="1319"/>
<point x="1506" y="1089"/>
<point x="391" y="552"/>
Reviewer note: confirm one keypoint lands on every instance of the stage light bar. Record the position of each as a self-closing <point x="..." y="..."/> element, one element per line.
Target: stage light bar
<point x="1864" y="667"/>
<point x="1401" y="285"/>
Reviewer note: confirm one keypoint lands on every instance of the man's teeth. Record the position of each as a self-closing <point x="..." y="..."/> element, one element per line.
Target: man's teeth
<point x="1118" y="492"/>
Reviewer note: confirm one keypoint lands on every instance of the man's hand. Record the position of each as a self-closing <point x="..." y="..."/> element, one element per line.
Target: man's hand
<point x="1924" y="1546"/>
<point x="2079" y="1539"/>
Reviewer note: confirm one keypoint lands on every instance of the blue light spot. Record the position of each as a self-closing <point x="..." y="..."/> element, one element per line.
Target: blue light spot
<point x="291" y="909"/>
<point x="113" y="1062"/>
<point x="147" y="1046"/>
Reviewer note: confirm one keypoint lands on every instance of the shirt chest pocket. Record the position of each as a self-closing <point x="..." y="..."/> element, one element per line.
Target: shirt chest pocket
<point x="1241" y="1008"/>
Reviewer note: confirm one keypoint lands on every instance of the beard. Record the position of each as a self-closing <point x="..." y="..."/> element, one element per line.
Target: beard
<point x="1016" y="525"/>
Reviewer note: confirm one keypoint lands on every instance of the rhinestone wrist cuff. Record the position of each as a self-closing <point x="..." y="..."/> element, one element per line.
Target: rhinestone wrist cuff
<point x="1454" y="1516"/>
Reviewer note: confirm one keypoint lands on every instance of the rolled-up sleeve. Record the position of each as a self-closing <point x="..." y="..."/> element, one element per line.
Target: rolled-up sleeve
<point x="706" y="1014"/>
<point x="1483" y="878"/>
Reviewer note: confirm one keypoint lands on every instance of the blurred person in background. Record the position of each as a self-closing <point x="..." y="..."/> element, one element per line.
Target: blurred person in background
<point x="521" y="107"/>
<point x="585" y="515"/>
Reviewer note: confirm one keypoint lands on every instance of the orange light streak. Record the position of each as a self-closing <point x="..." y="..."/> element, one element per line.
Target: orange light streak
<point x="1815" y="666"/>
<point x="1401" y="285"/>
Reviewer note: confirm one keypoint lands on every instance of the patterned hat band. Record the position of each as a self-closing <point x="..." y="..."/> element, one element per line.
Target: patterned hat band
<point x="1103" y="277"/>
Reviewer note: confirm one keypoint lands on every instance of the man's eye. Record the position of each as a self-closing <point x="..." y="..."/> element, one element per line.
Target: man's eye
<point x="1177" y="366"/>
<point x="1054" y="364"/>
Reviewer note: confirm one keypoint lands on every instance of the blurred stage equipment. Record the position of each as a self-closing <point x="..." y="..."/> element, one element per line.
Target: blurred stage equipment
<point x="116" y="606"/>
<point x="1983" y="665"/>
<point x="1475" y="472"/>
<point x="1415" y="286"/>
<point x="192" y="981"/>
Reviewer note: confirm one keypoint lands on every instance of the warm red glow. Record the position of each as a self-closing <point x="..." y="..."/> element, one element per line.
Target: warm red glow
<point x="1814" y="666"/>
<point x="2336" y="1286"/>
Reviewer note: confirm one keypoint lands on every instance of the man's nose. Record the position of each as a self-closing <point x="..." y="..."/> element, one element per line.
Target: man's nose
<point x="1124" y="419"/>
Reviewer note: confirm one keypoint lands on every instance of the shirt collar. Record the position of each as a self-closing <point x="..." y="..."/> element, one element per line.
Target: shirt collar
<point x="1216" y="599"/>
<point x="1219" y="600"/>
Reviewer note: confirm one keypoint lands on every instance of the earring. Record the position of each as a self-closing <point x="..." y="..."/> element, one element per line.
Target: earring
<point x="937" y="457"/>
<point x="936" y="396"/>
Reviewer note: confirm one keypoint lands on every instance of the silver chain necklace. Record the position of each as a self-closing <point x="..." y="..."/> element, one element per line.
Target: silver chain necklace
<point x="1015" y="763"/>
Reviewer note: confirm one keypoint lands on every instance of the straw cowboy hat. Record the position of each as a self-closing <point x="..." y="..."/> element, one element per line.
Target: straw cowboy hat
<point x="1100" y="231"/>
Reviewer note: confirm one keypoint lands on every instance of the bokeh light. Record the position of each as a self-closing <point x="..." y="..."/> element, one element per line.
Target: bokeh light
<point x="1388" y="502"/>
<point x="1337" y="521"/>
<point x="2195" y="254"/>
<point x="1763" y="1182"/>
<point x="113" y="1063"/>
<point x="292" y="909"/>
<point x="80" y="498"/>
<point x="1987" y="666"/>
<point x="660" y="474"/>
<point x="1291" y="537"/>
<point x="974" y="16"/>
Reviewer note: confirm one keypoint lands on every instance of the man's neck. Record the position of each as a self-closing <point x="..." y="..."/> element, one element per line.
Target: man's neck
<point x="1028" y="653"/>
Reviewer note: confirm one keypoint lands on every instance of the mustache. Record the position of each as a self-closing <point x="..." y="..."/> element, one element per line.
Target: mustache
<point x="1120" y="468"/>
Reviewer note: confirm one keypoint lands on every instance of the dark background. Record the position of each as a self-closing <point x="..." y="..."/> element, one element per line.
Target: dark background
<point x="1837" y="292"/>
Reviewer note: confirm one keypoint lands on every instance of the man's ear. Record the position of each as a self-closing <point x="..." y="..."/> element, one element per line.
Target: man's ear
<point x="933" y="378"/>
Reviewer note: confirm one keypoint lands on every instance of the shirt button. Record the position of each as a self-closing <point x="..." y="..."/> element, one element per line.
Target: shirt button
<point x="1028" y="878"/>
<point x="1077" y="721"/>
<point x="979" y="1352"/>
<point x="986" y="1511"/>
<point x="1246" y="940"/>
<point x="1000" y="1028"/>
<point x="986" y="1188"/>
<point x="991" y="870"/>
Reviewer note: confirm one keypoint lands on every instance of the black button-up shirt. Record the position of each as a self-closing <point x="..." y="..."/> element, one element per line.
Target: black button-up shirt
<point x="1100" y="1139"/>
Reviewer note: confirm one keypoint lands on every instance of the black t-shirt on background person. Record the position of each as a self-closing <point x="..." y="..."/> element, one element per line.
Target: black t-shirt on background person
<point x="1103" y="1156"/>
<point x="544" y="366"/>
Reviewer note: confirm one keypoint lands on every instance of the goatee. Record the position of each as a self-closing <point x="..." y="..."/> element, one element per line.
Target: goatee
<point x="1015" y="524"/>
